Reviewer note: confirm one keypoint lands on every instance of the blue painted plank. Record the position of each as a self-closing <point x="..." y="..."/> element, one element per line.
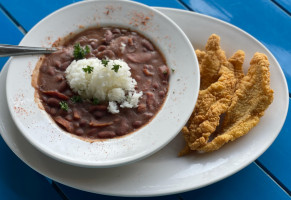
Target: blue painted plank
<point x="285" y="4"/>
<point x="28" y="13"/>
<point x="8" y="35"/>
<point x="262" y="19"/>
<point x="277" y="159"/>
<point x="249" y="183"/>
<point x="20" y="182"/>
<point x="17" y="180"/>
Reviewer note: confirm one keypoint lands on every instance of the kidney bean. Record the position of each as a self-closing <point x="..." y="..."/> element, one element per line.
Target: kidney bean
<point x="149" y="67"/>
<point x="151" y="100"/>
<point x="51" y="71"/>
<point x="139" y="57"/>
<point x="92" y="132"/>
<point x="63" y="86"/>
<point x="106" y="54"/>
<point x="59" y="77"/>
<point x="147" y="72"/>
<point x="106" y="134"/>
<point x="57" y="63"/>
<point x="147" y="45"/>
<point x="155" y="85"/>
<point x="99" y="114"/>
<point x="148" y="115"/>
<point x="93" y="43"/>
<point x="83" y="40"/>
<point x="100" y="107"/>
<point x="53" y="102"/>
<point x="65" y="65"/>
<point x="66" y="124"/>
<point x="116" y="31"/>
<point x="137" y="124"/>
<point x="130" y="41"/>
<point x="69" y="118"/>
<point x="147" y="84"/>
<point x="52" y="111"/>
<point x="79" y="131"/>
<point x="101" y="48"/>
<point x="76" y="124"/>
<point x="141" y="107"/>
<point x="108" y="36"/>
<point x="123" y="128"/>
<point x="83" y="122"/>
<point x="164" y="72"/>
<point x="68" y="93"/>
<point x="162" y="94"/>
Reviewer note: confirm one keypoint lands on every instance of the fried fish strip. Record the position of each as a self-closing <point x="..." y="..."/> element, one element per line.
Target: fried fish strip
<point x="212" y="103"/>
<point x="210" y="61"/>
<point x="237" y="60"/>
<point x="251" y="99"/>
<point x="220" y="77"/>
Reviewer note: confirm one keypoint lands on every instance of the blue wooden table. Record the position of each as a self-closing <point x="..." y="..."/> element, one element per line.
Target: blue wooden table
<point x="269" y="177"/>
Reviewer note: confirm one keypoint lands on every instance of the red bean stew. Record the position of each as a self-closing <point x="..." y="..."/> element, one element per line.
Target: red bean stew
<point x="90" y="119"/>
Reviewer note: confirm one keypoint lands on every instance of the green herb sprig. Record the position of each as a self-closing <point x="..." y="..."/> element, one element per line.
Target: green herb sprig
<point x="96" y="101"/>
<point x="88" y="69"/>
<point x="76" y="99"/>
<point x="116" y="68"/>
<point x="80" y="52"/>
<point x="104" y="62"/>
<point x="64" y="105"/>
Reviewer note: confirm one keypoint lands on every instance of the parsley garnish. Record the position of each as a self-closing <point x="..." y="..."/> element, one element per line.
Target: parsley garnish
<point x="173" y="70"/>
<point x="88" y="69"/>
<point x="116" y="68"/>
<point x="79" y="52"/>
<point x="64" y="105"/>
<point x="96" y="101"/>
<point x="76" y="99"/>
<point x="105" y="62"/>
<point x="165" y="72"/>
<point x="87" y="49"/>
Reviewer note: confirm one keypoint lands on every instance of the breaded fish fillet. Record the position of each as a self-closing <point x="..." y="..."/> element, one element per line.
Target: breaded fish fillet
<point x="211" y="103"/>
<point x="226" y="91"/>
<point x="251" y="99"/>
<point x="210" y="61"/>
<point x="215" y="100"/>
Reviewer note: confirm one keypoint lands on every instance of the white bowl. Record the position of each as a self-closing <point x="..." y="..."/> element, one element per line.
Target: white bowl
<point x="45" y="135"/>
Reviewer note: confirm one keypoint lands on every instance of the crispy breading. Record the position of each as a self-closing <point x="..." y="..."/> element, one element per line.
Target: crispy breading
<point x="224" y="90"/>
<point x="237" y="60"/>
<point x="211" y="61"/>
<point x="213" y="101"/>
<point x="251" y="99"/>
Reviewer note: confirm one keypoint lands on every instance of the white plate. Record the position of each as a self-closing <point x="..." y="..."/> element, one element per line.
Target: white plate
<point x="164" y="172"/>
<point x="38" y="127"/>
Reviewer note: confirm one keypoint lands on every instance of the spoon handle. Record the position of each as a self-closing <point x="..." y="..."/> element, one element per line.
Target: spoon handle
<point x="14" y="50"/>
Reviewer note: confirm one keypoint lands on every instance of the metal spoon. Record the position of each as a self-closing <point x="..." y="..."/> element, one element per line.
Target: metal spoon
<point x="14" y="50"/>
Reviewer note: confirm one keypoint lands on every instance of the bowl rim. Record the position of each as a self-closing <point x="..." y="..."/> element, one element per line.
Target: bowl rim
<point x="107" y="163"/>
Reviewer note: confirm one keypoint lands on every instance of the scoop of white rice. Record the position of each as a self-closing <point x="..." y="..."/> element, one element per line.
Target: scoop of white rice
<point x="104" y="83"/>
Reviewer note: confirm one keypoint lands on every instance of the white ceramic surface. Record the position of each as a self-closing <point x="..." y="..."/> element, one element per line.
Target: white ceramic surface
<point x="165" y="173"/>
<point x="47" y="136"/>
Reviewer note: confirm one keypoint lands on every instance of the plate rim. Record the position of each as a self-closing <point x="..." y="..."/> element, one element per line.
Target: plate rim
<point x="189" y="188"/>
